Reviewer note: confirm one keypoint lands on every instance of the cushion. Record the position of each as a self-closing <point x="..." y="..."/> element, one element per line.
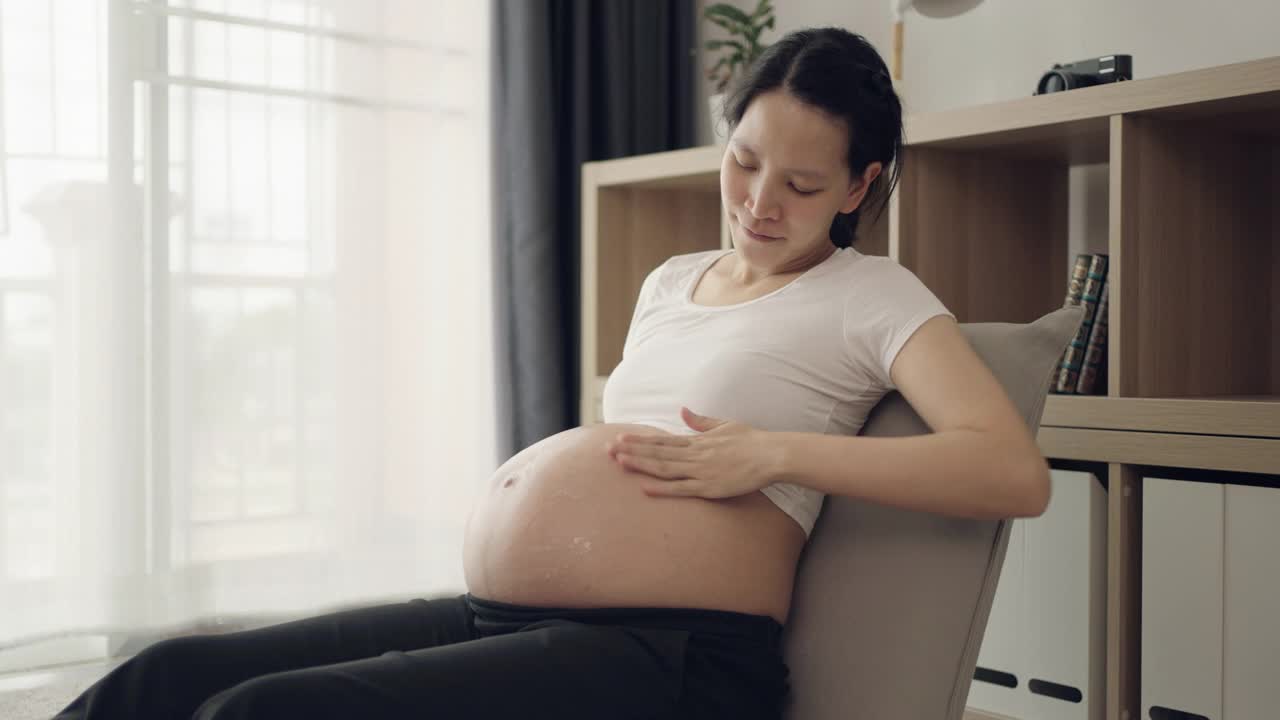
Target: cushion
<point x="890" y="606"/>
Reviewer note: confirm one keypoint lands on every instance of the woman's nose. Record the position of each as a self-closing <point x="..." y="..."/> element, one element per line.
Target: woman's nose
<point x="761" y="202"/>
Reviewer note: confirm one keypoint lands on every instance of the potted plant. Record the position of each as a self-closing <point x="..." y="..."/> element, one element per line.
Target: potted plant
<point x="738" y="51"/>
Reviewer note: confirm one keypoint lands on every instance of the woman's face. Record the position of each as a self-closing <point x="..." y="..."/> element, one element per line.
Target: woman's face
<point x="783" y="178"/>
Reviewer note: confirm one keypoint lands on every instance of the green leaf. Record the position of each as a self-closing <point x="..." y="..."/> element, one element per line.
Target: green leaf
<point x="717" y="44"/>
<point x="762" y="10"/>
<point x="726" y="16"/>
<point x="732" y="27"/>
<point x="730" y="12"/>
<point x="715" y="8"/>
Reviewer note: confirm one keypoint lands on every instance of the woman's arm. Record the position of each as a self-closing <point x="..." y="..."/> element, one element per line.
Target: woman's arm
<point x="981" y="460"/>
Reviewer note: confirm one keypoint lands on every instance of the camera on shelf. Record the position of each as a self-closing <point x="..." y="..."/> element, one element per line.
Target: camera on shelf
<point x="1083" y="73"/>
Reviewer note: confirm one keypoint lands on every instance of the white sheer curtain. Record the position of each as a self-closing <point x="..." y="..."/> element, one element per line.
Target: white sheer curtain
<point x="245" y="337"/>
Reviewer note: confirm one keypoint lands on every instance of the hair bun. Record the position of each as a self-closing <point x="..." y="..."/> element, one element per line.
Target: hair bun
<point x="882" y="82"/>
<point x="876" y="82"/>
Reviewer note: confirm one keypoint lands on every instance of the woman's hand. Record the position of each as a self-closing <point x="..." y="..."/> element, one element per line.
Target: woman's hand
<point x="724" y="459"/>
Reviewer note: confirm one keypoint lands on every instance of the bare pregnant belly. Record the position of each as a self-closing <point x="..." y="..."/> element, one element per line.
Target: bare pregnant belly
<point x="561" y="525"/>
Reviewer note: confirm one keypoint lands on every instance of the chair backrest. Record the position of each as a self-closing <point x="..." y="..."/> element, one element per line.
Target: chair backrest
<point x="890" y="606"/>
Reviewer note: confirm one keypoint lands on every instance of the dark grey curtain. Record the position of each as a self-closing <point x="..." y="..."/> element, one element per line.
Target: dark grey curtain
<point x="574" y="80"/>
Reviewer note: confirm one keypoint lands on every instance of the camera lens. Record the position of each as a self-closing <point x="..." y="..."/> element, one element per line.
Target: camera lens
<point x="1052" y="81"/>
<point x="1059" y="80"/>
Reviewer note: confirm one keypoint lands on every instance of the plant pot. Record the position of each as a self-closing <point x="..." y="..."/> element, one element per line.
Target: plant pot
<point x="719" y="127"/>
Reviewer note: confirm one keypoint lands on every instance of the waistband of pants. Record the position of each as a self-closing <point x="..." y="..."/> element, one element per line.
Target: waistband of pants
<point x="493" y="616"/>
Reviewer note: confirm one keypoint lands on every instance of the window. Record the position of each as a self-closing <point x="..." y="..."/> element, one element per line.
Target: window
<point x="244" y="264"/>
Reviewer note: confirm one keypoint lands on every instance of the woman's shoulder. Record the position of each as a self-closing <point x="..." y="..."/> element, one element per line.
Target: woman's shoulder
<point x="671" y="274"/>
<point x="883" y="287"/>
<point x="876" y="271"/>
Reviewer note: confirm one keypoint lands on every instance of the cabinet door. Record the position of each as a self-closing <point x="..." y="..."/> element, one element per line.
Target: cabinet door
<point x="1251" y="649"/>
<point x="1182" y="566"/>
<point x="1002" y="657"/>
<point x="1065" y="600"/>
<point x="1048" y="617"/>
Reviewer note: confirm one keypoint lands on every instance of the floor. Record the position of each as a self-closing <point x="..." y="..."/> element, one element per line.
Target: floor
<point x="38" y="695"/>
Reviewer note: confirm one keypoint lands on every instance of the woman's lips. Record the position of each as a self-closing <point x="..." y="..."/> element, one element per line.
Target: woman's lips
<point x="757" y="236"/>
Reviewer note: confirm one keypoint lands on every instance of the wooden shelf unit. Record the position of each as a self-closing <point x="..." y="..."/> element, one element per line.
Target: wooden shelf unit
<point x="980" y="215"/>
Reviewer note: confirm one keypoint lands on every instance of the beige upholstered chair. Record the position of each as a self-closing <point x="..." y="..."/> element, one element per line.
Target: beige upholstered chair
<point x="890" y="606"/>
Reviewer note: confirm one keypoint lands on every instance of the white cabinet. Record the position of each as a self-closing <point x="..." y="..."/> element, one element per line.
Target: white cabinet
<point x="999" y="682"/>
<point x="1251" y="629"/>
<point x="1181" y="598"/>
<point x="1044" y="651"/>
<point x="1210" y="590"/>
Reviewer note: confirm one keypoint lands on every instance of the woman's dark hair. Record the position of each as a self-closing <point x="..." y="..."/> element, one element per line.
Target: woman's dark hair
<point x="841" y="74"/>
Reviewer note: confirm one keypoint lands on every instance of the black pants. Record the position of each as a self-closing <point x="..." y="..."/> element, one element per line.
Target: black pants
<point x="460" y="657"/>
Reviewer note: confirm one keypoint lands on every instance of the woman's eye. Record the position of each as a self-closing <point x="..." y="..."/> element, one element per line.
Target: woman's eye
<point x="744" y="166"/>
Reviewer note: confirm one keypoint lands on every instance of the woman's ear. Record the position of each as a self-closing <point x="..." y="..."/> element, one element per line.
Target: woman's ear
<point x="858" y="191"/>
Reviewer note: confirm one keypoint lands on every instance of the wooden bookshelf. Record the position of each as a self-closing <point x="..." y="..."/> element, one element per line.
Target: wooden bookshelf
<point x="1245" y="416"/>
<point x="1193" y="360"/>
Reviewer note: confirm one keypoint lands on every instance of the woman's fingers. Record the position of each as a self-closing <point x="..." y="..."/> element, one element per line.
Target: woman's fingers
<point x="669" y="469"/>
<point x="649" y="446"/>
<point x="671" y="440"/>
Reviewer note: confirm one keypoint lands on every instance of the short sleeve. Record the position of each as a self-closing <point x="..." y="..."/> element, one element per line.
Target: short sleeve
<point x="883" y="311"/>
<point x="647" y="291"/>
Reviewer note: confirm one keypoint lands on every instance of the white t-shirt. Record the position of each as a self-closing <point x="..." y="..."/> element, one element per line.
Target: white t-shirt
<point x="812" y="356"/>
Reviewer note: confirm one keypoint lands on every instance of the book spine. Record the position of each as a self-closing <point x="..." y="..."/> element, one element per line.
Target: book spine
<point x="1065" y="381"/>
<point x="1073" y="360"/>
<point x="1095" y="352"/>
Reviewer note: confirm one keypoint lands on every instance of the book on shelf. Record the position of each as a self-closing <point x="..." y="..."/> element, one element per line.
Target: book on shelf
<point x="1093" y="374"/>
<point x="1080" y="366"/>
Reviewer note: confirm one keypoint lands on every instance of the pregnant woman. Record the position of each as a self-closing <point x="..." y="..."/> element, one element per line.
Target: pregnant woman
<point x="643" y="567"/>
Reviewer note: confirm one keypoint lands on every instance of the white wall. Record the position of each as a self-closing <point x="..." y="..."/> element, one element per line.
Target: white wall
<point x="998" y="50"/>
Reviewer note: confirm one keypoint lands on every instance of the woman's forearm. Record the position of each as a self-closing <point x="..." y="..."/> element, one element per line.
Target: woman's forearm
<point x="965" y="473"/>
